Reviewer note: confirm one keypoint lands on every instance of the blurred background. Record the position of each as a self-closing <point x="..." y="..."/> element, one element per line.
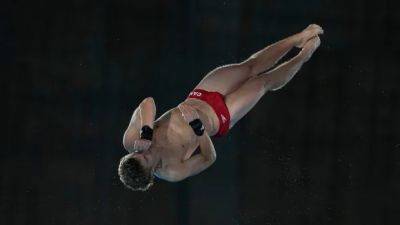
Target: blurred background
<point x="323" y="150"/>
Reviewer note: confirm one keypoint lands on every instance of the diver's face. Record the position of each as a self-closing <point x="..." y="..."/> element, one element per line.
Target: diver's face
<point x="145" y="158"/>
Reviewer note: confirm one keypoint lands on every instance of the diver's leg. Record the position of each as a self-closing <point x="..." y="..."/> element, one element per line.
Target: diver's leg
<point x="228" y="78"/>
<point x="241" y="101"/>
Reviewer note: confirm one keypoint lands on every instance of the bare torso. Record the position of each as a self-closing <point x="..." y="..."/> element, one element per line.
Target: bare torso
<point x="242" y="85"/>
<point x="174" y="139"/>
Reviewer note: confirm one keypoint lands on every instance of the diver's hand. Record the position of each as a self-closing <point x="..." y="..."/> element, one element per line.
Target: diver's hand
<point x="188" y="112"/>
<point x="141" y="145"/>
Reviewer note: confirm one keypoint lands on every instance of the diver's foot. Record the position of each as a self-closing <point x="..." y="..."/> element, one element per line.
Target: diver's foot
<point x="311" y="31"/>
<point x="309" y="48"/>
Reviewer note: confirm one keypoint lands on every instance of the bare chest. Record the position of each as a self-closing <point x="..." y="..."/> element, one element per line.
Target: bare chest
<point x="174" y="138"/>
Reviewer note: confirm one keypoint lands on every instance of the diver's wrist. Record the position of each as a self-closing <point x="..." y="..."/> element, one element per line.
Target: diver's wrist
<point x="197" y="127"/>
<point x="146" y="133"/>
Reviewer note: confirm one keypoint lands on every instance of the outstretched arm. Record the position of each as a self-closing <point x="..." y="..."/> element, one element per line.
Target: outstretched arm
<point x="194" y="164"/>
<point x="143" y="115"/>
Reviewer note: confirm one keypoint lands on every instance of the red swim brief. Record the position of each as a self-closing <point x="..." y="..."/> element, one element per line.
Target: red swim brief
<point x="217" y="103"/>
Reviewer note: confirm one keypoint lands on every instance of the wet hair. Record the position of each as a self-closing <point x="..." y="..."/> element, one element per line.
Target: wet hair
<point x="133" y="175"/>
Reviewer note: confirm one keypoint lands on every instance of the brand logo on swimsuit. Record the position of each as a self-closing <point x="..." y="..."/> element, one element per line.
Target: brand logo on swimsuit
<point x="195" y="93"/>
<point x="223" y="118"/>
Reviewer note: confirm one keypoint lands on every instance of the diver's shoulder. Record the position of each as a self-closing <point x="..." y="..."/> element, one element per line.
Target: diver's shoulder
<point x="170" y="172"/>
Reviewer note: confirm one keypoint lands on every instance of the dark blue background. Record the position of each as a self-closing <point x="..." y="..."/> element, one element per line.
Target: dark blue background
<point x="323" y="150"/>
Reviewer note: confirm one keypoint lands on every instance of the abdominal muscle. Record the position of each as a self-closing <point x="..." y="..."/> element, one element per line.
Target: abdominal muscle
<point x="206" y="114"/>
<point x="175" y="138"/>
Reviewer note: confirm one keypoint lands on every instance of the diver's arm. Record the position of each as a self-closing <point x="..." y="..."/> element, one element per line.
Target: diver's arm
<point x="207" y="148"/>
<point x="143" y="115"/>
<point x="195" y="164"/>
<point x="190" y="167"/>
<point x="147" y="112"/>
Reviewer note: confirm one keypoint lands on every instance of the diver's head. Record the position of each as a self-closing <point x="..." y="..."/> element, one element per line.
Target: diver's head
<point x="136" y="170"/>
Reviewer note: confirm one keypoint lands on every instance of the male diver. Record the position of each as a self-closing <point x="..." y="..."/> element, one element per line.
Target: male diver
<point x="165" y="147"/>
